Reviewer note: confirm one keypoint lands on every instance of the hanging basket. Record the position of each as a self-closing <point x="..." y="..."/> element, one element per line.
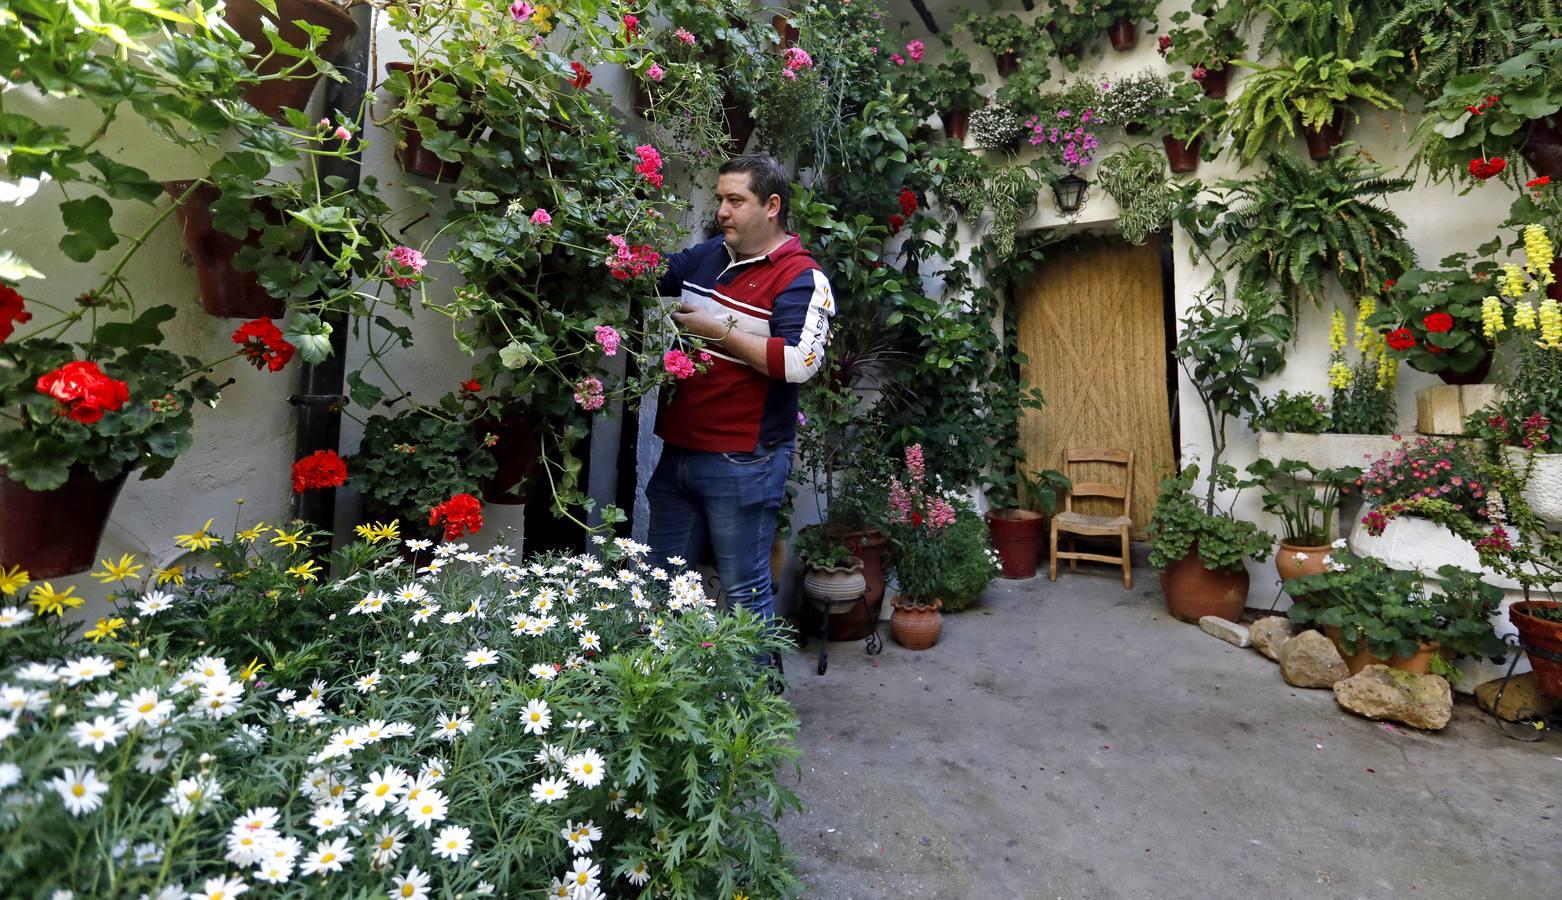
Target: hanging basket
<point x="226" y="291"/>
<point x="1122" y="33"/>
<point x="50" y="534"/>
<point x="246" y="18"/>
<point x="1183" y="156"/>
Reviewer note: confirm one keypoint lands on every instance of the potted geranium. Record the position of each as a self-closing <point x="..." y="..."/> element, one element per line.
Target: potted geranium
<point x="409" y="464"/>
<point x="952" y="86"/>
<point x="1435" y="320"/>
<point x="1074" y="27"/>
<point x="1118" y="18"/>
<point x="1382" y="616"/>
<point x="832" y="573"/>
<point x="1187" y="114"/>
<point x="1004" y="36"/>
<point x="1210" y="47"/>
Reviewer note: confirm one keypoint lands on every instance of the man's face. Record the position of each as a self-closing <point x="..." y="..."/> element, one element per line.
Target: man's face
<point x="745" y="220"/>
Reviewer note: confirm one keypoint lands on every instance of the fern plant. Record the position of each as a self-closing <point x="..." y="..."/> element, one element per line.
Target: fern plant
<point x="1296" y="227"/>
<point x="1310" y="88"/>
<point x="1445" y="38"/>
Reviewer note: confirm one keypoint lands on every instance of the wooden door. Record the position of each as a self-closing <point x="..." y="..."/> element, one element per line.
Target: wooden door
<point x="1091" y="323"/>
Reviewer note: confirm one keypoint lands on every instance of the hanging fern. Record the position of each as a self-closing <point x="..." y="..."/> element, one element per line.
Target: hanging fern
<point x="1444" y="38"/>
<point x="1136" y="179"/>
<point x="1297" y="226"/>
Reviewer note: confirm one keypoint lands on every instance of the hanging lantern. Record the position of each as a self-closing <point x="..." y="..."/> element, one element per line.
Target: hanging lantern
<point x="1070" y="192"/>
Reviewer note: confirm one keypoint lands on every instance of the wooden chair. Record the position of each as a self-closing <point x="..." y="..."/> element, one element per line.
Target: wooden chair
<point x="1074" y="523"/>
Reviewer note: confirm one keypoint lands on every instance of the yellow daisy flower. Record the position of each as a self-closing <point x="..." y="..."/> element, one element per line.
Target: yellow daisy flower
<point x="48" y="600"/>
<point x="250" y="671"/>
<point x="292" y="540"/>
<point x="173" y="574"/>
<point x="306" y="570"/>
<point x="200" y="540"/>
<point x="13" y="580"/>
<point x="105" y="628"/>
<point x="124" y="570"/>
<point x="252" y="534"/>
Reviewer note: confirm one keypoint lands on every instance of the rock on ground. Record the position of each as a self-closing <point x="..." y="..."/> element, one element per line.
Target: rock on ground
<point x="1230" y="632"/>
<point x="1379" y="692"/>
<point x="1269" y="634"/>
<point x="1311" y="660"/>
<point x="1521" y="699"/>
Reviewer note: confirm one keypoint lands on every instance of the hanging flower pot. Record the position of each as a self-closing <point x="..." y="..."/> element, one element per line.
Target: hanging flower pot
<point x="1182" y="155"/>
<point x="1214" y="81"/>
<point x="956" y="121"/>
<point x="1123" y="34"/>
<point x="1322" y="141"/>
<point x="225" y="290"/>
<point x="246" y="17"/>
<point x="1008" y="63"/>
<point x="786" y="33"/>
<point x="916" y="625"/>
<point x="50" y="534"/>
<point x="1476" y="375"/>
<point x="517" y="451"/>
<point x="1543" y="147"/>
<point x="415" y="159"/>
<point x="1542" y="641"/>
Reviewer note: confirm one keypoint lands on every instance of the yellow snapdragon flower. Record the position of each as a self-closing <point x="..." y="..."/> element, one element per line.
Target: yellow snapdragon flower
<point x="1337" y="330"/>
<point x="1524" y="315"/>
<point x="1367" y="339"/>
<point x="1388" y="371"/>
<point x="1550" y="324"/>
<point x="1512" y="279"/>
<point x="1538" y="252"/>
<point x="1492" y="320"/>
<point x="1339" y="376"/>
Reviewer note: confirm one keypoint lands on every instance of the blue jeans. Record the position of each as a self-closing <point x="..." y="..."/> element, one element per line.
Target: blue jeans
<point x="728" y="499"/>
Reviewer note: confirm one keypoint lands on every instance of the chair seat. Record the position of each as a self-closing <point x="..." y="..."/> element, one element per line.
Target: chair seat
<point x="1077" y="522"/>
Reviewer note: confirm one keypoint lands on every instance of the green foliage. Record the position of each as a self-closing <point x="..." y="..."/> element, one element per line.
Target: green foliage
<point x="971" y="563"/>
<point x="952" y="84"/>
<point x="1296" y="225"/>
<point x="1041" y="490"/>
<point x="1218" y="39"/>
<point x="1447" y="38"/>
<point x="410" y="463"/>
<point x="1457" y="290"/>
<point x="1186" y="112"/>
<point x="1391" y="613"/>
<point x="821" y="547"/>
<point x="1136" y="178"/>
<point x="999" y="34"/>
<point x="1182" y="524"/>
<point x="1299" y="413"/>
<point x="1303" y="497"/>
<point x="1310" y="89"/>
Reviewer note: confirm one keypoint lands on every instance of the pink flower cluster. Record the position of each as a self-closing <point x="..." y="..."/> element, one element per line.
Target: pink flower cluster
<point x="678" y="364"/>
<point x="684" y="36"/>
<point x="1076" y="144"/>
<point x="915" y="50"/>
<point x="1425" y="470"/>
<point x="607" y="337"/>
<point x="656" y="72"/>
<point x="520" y="11"/>
<point x="795" y="58"/>
<point x="1536" y="431"/>
<point x="1495" y="542"/>
<point x="915" y="463"/>
<point x="910" y="503"/>
<point x="650" y="166"/>
<point x="631" y="262"/>
<point x="403" y="265"/>
<point x="589" y="394"/>
<point x="540" y="217"/>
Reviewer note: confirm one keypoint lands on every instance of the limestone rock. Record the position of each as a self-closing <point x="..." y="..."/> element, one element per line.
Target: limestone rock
<point x="1269" y="634"/>
<point x="1230" y="632"/>
<point x="1521" y="699"/>
<point x="1379" y="692"/>
<point x="1311" y="660"/>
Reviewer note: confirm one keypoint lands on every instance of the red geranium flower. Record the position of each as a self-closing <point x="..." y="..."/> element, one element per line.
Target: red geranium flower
<point x="84" y="392"/>
<point x="908" y="201"/>
<point x="1486" y="168"/>
<point x="896" y="222"/>
<point x="1536" y="184"/>
<point x="262" y="344"/>
<point x="1163" y="43"/>
<point x="11" y="311"/>
<point x="1401" y="339"/>
<point x="1438" y="322"/>
<point x="1388" y="285"/>
<point x="320" y="469"/>
<point x="463" y="514"/>
<point x="582" y="75"/>
<point x="471" y="386"/>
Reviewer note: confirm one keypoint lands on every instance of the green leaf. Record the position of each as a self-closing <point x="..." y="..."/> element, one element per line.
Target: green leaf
<point x="145" y="331"/>
<point x="90" y="230"/>
<point x="125" y="182"/>
<point x="362" y="392"/>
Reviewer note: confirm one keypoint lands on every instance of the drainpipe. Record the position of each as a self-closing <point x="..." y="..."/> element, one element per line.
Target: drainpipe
<point x="320" y="400"/>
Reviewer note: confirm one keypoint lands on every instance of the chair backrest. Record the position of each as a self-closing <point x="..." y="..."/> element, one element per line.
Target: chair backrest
<point x="1122" y="492"/>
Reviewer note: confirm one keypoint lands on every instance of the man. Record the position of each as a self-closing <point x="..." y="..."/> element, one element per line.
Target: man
<point x="763" y="306"/>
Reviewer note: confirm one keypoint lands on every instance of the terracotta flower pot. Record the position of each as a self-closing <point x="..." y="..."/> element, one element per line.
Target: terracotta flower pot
<point x="1542" y="642"/>
<point x="1123" y="34"/>
<point x="1476" y="375"/>
<point x="1008" y="63"/>
<point x="916" y="625"/>
<point x="1322" y="141"/>
<point x="1418" y="663"/>
<point x="1182" y="155"/>
<point x="518" y="455"/>
<point x="1297" y="560"/>
<point x="1215" y="82"/>
<point x="225" y="290"/>
<point x="870" y="547"/>
<point x="786" y="33"/>
<point x="956" y="122"/>
<point x="415" y="159"/>
<point x="245" y="17"/>
<point x="1193" y="591"/>
<point x="1016" y="535"/>
<point x="55" y="533"/>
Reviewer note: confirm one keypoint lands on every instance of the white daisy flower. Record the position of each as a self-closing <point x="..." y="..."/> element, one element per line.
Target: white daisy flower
<point x="308" y="709"/>
<point x="80" y="788"/>
<point x="399" y="729"/>
<point x="208" y="667"/>
<point x="317" y="689"/>
<point x="452" y="727"/>
<point x="550" y="755"/>
<point x="549" y="790"/>
<point x="482" y="656"/>
<point x="583" y="877"/>
<point x="246" y="848"/>
<point x="326" y="819"/>
<point x="536" y="717"/>
<point x="410" y="657"/>
<point x="433" y="770"/>
<point x="579" y="724"/>
<point x="154" y="758"/>
<point x="10" y="775"/>
<point x="193" y="795"/>
<point x="101" y="732"/>
<point x="422" y="614"/>
<point x="328" y="856"/>
<point x="411" y="886"/>
<point x="453" y="842"/>
<point x="221" y="888"/>
<point x="12" y="616"/>
<point x="87" y="668"/>
<point x="102" y="699"/>
<point x="586" y="768"/>
<point x="144" y="707"/>
<point x="16" y="700"/>
<point x="372" y="602"/>
<point x="544" y="671"/>
<point x="451" y="618"/>
<point x="220" y="697"/>
<point x="286" y="695"/>
<point x="590" y="641"/>
<point x="639" y="874"/>
<point x="383" y="788"/>
<point x="368" y="682"/>
<point x="148" y="854"/>
<point x="274" y="872"/>
<point x="429" y="807"/>
<point x="373" y="731"/>
<point x="580" y="837"/>
<point x="560" y="889"/>
<point x="387" y="846"/>
<point x="418" y="544"/>
<point x="154" y="602"/>
<point x="635" y="812"/>
<point x="40" y="673"/>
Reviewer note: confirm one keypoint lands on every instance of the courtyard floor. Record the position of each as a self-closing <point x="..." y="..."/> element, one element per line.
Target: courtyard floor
<point x="1074" y="741"/>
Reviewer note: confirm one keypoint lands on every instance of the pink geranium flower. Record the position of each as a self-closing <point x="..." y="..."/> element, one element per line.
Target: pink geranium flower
<point x="897" y="59"/>
<point x="403" y="265"/>
<point x="631" y="25"/>
<point x="915" y="50"/>
<point x="678" y="364"/>
<point x="683" y="35"/>
<point x="540" y="217"/>
<point x="588" y="394"/>
<point x="520" y="11"/>
<point x="656" y="72"/>
<point x="607" y="336"/>
<point x="798" y="58"/>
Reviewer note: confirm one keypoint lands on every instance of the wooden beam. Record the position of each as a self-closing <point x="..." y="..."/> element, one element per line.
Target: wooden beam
<point x="927" y="17"/>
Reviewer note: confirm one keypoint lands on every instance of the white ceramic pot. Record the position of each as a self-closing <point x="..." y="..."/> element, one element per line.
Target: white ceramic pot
<point x="1543" y="491"/>
<point x="1326" y="451"/>
<point x="837" y="587"/>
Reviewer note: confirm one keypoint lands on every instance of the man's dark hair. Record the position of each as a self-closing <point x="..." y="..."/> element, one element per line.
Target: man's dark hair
<point x="765" y="177"/>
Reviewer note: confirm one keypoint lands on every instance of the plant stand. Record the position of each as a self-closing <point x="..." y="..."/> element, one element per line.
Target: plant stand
<point x="1530" y="730"/>
<point x="873" y="644"/>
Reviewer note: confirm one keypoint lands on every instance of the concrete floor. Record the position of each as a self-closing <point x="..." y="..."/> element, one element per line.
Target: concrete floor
<point x="1072" y="740"/>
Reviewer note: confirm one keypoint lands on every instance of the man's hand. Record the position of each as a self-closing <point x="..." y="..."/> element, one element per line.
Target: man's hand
<point x="701" y="322"/>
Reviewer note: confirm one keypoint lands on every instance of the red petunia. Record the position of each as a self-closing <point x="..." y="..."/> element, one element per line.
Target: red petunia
<point x="462" y="514"/>
<point x="1487" y="168"/>
<point x="84" y="392"/>
<point x="908" y="201"/>
<point x="12" y="312"/>
<point x="320" y="469"/>
<point x="582" y="77"/>
<point x="1401" y="339"/>
<point x="1438" y="322"/>
<point x="261" y="343"/>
